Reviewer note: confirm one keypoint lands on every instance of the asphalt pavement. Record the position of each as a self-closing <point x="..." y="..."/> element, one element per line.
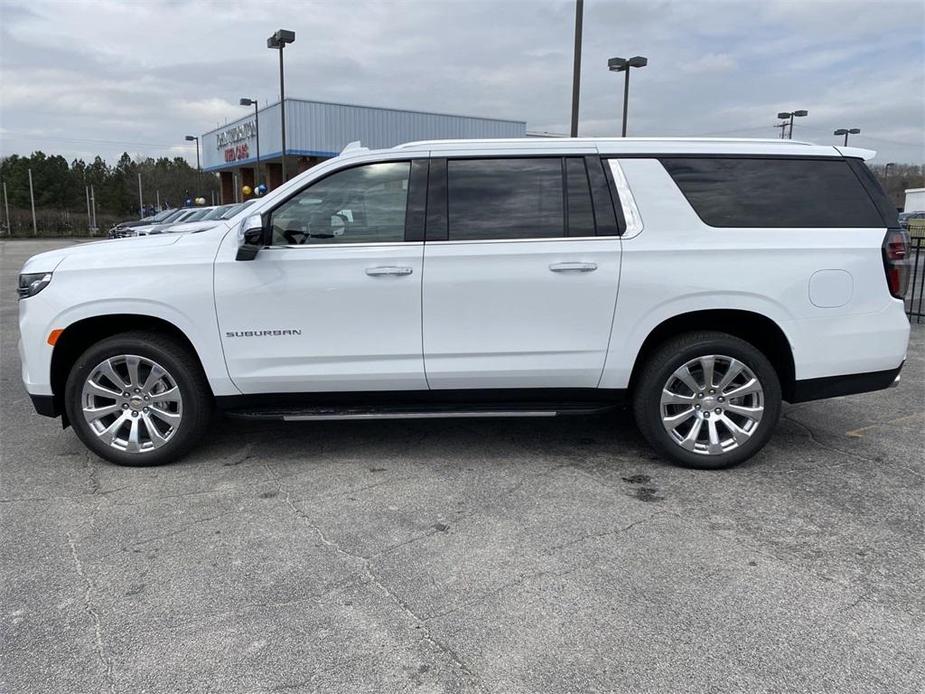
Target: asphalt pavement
<point x="503" y="556"/>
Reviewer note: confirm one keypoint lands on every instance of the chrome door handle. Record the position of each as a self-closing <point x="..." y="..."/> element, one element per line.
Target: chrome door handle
<point x="573" y="267"/>
<point x="388" y="270"/>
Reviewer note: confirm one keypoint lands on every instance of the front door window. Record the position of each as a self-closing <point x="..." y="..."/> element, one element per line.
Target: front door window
<point x="364" y="204"/>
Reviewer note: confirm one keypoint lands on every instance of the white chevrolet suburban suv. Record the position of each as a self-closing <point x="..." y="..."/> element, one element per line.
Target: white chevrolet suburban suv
<point x="701" y="282"/>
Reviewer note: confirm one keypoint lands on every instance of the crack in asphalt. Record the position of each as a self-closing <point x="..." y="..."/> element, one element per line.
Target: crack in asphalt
<point x="467" y="514"/>
<point x="366" y="566"/>
<point x="545" y="572"/>
<point x="834" y="449"/>
<point x="105" y="661"/>
<point x="268" y="604"/>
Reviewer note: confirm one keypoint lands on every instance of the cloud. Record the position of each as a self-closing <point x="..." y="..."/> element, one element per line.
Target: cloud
<point x="123" y="74"/>
<point x="711" y="62"/>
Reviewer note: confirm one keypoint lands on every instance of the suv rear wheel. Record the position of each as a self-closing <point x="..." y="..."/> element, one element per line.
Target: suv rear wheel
<point x="707" y="400"/>
<point x="138" y="399"/>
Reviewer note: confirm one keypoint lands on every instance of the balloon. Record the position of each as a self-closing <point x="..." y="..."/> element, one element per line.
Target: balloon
<point x="261" y="189"/>
<point x="200" y="201"/>
<point x="246" y="190"/>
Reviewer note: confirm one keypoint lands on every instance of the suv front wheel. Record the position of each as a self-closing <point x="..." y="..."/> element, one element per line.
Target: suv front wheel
<point x="138" y="399"/>
<point x="707" y="400"/>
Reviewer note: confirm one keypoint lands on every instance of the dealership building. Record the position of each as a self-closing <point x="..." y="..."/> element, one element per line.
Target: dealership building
<point x="317" y="130"/>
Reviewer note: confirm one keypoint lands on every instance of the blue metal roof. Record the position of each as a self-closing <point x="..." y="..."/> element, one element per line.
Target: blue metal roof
<point x="319" y="128"/>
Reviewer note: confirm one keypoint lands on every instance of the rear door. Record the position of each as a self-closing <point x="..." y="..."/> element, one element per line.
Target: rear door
<point x="521" y="269"/>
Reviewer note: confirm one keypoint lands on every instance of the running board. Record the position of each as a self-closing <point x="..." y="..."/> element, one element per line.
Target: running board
<point x="497" y="410"/>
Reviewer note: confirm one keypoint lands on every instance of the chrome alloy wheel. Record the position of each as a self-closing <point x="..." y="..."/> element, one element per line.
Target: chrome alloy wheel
<point x="711" y="405"/>
<point x="132" y="403"/>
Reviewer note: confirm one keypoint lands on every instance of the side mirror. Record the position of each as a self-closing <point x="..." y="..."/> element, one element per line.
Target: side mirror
<point x="250" y="238"/>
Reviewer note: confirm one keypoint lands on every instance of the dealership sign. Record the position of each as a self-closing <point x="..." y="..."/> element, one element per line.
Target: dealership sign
<point x="237" y="153"/>
<point x="238" y="133"/>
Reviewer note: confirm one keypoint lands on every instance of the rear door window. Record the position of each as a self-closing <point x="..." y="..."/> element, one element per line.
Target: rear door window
<point x="579" y="208"/>
<point x="505" y="199"/>
<point x="782" y="193"/>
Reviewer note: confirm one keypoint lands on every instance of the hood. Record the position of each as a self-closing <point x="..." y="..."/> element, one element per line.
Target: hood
<point x="191" y="226"/>
<point x="49" y="260"/>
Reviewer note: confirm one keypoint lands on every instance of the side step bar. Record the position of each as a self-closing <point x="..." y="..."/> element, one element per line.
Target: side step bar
<point x="418" y="412"/>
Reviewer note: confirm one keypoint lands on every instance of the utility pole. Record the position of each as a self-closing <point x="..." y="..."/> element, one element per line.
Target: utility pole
<point x="89" y="214"/>
<point x="157" y="193"/>
<point x="35" y="229"/>
<point x="576" y="65"/>
<point x="6" y="205"/>
<point x="141" y="202"/>
<point x="93" y="206"/>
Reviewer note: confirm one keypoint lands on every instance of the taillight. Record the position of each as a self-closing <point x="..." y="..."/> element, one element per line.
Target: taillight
<point x="896" y="262"/>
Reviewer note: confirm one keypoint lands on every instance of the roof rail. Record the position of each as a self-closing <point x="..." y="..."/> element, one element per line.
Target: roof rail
<point x="594" y="140"/>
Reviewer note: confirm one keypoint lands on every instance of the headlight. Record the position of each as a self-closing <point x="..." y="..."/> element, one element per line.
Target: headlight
<point x="32" y="283"/>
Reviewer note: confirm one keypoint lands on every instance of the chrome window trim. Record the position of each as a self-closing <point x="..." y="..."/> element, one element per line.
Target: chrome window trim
<point x="631" y="214"/>
<point x="551" y="239"/>
<point x="372" y="244"/>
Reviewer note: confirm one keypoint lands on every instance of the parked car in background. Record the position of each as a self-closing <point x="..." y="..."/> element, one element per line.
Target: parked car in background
<point x="701" y="282"/>
<point x="906" y="217"/>
<point x="207" y="222"/>
<point x="162" y="216"/>
<point x="190" y="214"/>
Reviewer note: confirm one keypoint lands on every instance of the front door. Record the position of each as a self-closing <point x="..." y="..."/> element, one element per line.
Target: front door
<point x="520" y="291"/>
<point x="334" y="304"/>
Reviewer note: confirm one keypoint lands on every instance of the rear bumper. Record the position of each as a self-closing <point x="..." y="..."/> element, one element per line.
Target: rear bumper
<point x="850" y="384"/>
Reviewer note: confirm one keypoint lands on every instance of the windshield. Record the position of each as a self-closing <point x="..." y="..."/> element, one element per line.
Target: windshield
<point x="163" y="215"/>
<point x="216" y="213"/>
<point x="196" y="215"/>
<point x="235" y="209"/>
<point x="174" y="216"/>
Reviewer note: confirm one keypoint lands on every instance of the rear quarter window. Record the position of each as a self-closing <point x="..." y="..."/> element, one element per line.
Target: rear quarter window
<point x="782" y="193"/>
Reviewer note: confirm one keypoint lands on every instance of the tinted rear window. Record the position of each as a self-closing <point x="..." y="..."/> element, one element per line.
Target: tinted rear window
<point x="580" y="211"/>
<point x="887" y="209"/>
<point x="505" y="199"/>
<point x="742" y="192"/>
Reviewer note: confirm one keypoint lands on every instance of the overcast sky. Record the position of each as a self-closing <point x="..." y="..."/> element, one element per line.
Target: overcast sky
<point x="107" y="76"/>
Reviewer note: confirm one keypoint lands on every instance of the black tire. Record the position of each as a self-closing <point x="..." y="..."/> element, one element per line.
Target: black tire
<point x="671" y="356"/>
<point x="184" y="369"/>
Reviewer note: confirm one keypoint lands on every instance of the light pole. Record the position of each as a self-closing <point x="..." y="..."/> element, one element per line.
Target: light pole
<point x="624" y="65"/>
<point x="253" y="102"/>
<point x="886" y="168"/>
<point x="790" y="115"/>
<point x="190" y="138"/>
<point x="576" y="65"/>
<point x="846" y="132"/>
<point x="279" y="41"/>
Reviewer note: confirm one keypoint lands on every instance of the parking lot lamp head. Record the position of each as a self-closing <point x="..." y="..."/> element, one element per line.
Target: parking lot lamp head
<point x="785" y="115"/>
<point x="192" y="138"/>
<point x="624" y="65"/>
<point x="846" y="132"/>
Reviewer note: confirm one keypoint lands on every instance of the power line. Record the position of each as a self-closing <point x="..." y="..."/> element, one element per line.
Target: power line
<point x="27" y="136"/>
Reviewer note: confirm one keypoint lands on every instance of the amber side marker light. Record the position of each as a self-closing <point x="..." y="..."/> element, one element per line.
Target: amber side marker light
<point x="54" y="335"/>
